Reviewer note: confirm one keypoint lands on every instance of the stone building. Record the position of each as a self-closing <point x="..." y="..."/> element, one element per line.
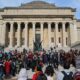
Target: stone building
<point x="38" y="20"/>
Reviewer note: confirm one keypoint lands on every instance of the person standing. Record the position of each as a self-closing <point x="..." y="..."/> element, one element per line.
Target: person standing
<point x="50" y="73"/>
<point x="7" y="66"/>
<point x="66" y="74"/>
<point x="1" y="70"/>
<point x="13" y="67"/>
<point x="23" y="73"/>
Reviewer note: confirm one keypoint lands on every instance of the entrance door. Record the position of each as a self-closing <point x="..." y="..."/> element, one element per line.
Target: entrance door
<point x="37" y="37"/>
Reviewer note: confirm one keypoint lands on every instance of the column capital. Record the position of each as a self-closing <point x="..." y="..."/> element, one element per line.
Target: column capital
<point x="42" y="22"/>
<point x="33" y="23"/>
<point x="26" y="22"/>
<point x="56" y="22"/>
<point x="49" y="23"/>
<point x="18" y="23"/>
<point x="63" y="22"/>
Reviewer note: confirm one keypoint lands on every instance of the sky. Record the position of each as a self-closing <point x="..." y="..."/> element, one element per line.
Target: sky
<point x="60" y="3"/>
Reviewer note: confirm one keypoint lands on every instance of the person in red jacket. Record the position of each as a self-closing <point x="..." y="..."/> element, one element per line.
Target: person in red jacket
<point x="7" y="67"/>
<point x="38" y="71"/>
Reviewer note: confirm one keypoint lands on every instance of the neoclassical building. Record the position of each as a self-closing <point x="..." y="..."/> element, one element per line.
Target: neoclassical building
<point x="38" y="21"/>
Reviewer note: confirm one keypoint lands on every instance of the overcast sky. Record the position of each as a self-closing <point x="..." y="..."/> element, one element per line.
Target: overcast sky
<point x="61" y="3"/>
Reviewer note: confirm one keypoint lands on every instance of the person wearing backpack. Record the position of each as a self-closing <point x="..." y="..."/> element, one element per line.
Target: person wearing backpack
<point x="77" y="75"/>
<point x="66" y="74"/>
<point x="42" y="76"/>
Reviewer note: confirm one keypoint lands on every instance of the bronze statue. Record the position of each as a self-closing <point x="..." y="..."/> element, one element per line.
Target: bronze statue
<point x="37" y="46"/>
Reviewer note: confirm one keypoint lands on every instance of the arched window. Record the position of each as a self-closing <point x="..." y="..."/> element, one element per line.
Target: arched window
<point x="15" y="25"/>
<point x="45" y="25"/>
<point x="52" y="27"/>
<point x="66" y="27"/>
<point x="37" y="26"/>
<point x="8" y="27"/>
<point x="30" y="24"/>
<point x="22" y="25"/>
<point x="59" y="27"/>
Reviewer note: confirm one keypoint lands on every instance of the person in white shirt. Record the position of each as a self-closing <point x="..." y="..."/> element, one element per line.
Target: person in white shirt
<point x="60" y="75"/>
<point x="22" y="74"/>
<point x="49" y="72"/>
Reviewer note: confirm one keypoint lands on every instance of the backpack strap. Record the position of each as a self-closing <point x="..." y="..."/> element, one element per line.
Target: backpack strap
<point x="71" y="73"/>
<point x="64" y="73"/>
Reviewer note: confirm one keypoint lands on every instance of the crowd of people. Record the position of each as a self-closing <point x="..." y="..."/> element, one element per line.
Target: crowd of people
<point x="15" y="62"/>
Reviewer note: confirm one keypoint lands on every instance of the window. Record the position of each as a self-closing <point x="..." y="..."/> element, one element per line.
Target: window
<point x="52" y="39"/>
<point x="59" y="40"/>
<point x="59" y="29"/>
<point x="52" y="27"/>
<point x="66" y="29"/>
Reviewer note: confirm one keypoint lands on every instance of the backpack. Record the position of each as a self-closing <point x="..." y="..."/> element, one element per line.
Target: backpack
<point x="66" y="76"/>
<point x="42" y="77"/>
<point x="77" y="76"/>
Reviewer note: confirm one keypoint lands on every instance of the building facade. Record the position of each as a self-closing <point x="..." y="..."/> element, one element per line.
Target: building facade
<point x="38" y="21"/>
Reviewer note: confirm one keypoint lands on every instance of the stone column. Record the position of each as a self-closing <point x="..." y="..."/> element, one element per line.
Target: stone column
<point x="11" y="35"/>
<point x="42" y="33"/>
<point x="3" y="34"/>
<point x="33" y="32"/>
<point x="71" y="34"/>
<point x="26" y="35"/>
<point x="49" y="34"/>
<point x="63" y="35"/>
<point x="18" y="35"/>
<point x="56" y="33"/>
